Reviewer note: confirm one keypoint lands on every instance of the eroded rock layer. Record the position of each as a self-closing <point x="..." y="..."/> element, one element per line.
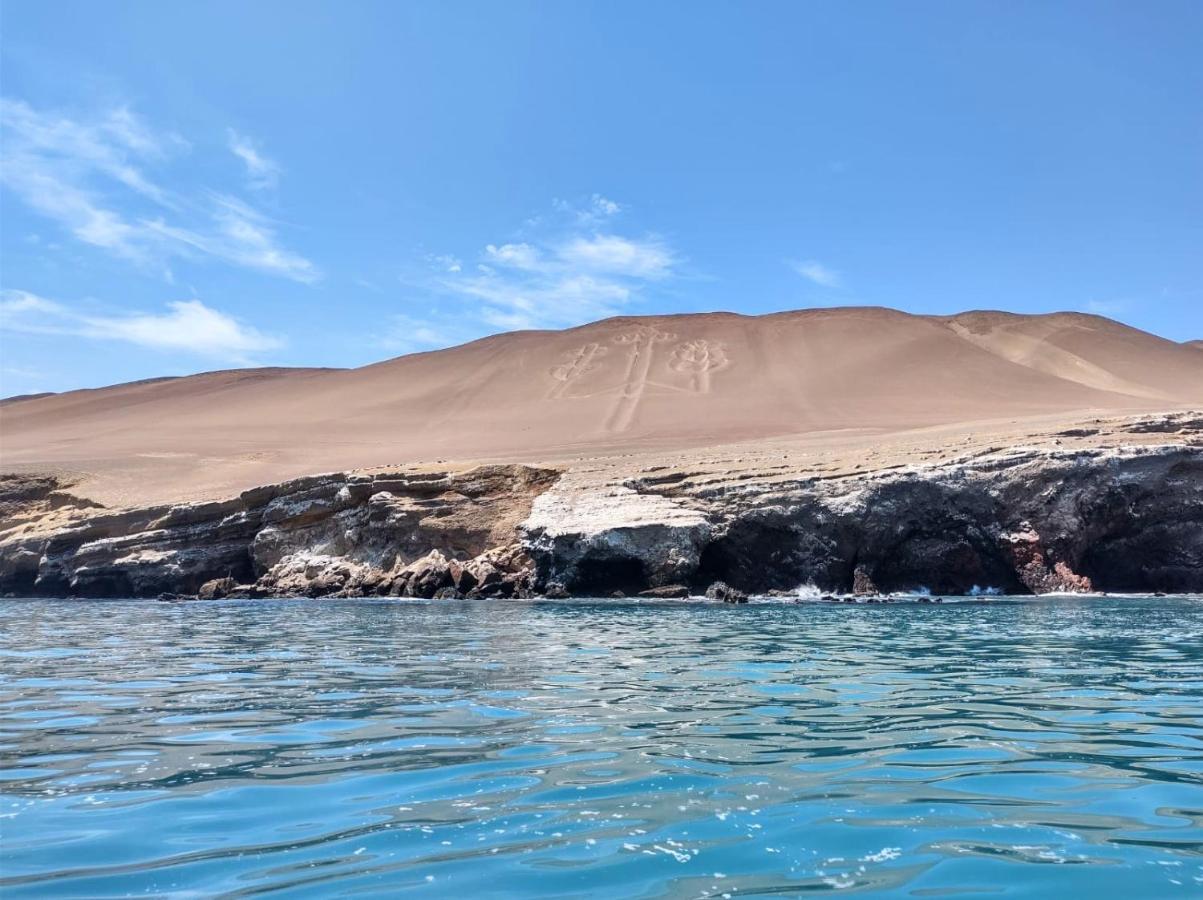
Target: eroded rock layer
<point x="1020" y="521"/>
<point x="393" y="533"/>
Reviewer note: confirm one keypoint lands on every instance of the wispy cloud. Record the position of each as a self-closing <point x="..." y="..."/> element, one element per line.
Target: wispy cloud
<point x="188" y="326"/>
<point x="1110" y="308"/>
<point x="91" y="178"/>
<point x="115" y="143"/>
<point x="410" y="334"/>
<point x="814" y="271"/>
<point x="262" y="173"/>
<point x="569" y="274"/>
<point x="596" y="211"/>
<point x="543" y="302"/>
<point x="446" y="262"/>
<point x="15" y="380"/>
<point x="241" y="235"/>
<point x="599" y="205"/>
<point x="611" y="254"/>
<point x="517" y="256"/>
<point x="564" y="270"/>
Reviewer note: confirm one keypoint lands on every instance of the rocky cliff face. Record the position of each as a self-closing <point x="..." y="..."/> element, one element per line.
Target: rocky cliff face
<point x="396" y="533"/>
<point x="1021" y="521"/>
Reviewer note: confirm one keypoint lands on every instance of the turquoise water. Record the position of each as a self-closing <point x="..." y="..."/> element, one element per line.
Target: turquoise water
<point x="314" y="748"/>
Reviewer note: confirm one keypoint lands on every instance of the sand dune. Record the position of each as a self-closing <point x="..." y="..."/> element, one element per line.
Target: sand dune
<point x="630" y="384"/>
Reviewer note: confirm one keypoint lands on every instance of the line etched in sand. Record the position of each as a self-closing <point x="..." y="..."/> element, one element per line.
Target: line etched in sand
<point x="699" y="358"/>
<point x="696" y="359"/>
<point x="580" y="363"/>
<point x="642" y="342"/>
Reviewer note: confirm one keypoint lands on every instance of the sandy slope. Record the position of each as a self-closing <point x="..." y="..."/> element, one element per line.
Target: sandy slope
<point x="648" y="385"/>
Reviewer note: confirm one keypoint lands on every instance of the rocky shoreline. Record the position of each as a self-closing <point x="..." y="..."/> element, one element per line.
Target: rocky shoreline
<point x="1015" y="521"/>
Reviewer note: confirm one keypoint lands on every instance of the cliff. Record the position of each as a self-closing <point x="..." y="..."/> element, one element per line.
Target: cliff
<point x="1021" y="520"/>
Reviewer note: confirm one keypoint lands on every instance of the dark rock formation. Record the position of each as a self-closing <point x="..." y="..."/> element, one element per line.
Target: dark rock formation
<point x="720" y="590"/>
<point x="1023" y="522"/>
<point x="1020" y="521"/>
<point x="345" y="535"/>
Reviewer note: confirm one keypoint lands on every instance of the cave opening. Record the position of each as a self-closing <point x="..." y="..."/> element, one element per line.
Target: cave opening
<point x="602" y="577"/>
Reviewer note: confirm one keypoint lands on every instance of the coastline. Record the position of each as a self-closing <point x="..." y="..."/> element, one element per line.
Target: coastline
<point x="1072" y="515"/>
<point x="692" y="600"/>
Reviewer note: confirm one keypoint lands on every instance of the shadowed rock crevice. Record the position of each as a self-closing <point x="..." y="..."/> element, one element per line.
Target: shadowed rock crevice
<point x="603" y="577"/>
<point x="779" y="549"/>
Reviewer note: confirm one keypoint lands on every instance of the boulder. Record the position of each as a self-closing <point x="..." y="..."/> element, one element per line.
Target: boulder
<point x="427" y="575"/>
<point x="461" y="575"/>
<point x="862" y="583"/>
<point x="216" y="588"/>
<point x="720" y="590"/>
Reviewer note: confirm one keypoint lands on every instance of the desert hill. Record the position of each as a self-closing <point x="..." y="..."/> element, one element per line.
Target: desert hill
<point x="621" y="385"/>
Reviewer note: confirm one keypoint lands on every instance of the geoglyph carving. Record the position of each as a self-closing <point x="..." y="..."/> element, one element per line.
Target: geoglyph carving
<point x="642" y="342"/>
<point x="580" y="362"/>
<point x="697" y="359"/>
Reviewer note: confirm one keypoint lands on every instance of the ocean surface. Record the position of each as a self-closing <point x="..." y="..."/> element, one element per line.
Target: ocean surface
<point x="1024" y="748"/>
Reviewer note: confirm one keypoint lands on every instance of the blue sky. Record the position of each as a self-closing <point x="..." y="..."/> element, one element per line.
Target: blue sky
<point x="189" y="186"/>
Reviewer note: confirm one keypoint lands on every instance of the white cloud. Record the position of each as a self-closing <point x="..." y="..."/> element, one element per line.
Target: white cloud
<point x="544" y="302"/>
<point x="815" y="271"/>
<point x="562" y="272"/>
<point x="518" y="256"/>
<point x="72" y="206"/>
<point x="17" y="303"/>
<point x="603" y="207"/>
<point x="91" y="178"/>
<point x="594" y="211"/>
<point x="564" y="280"/>
<point x="262" y="173"/>
<point x="616" y="255"/>
<point x="240" y="234"/>
<point x="188" y="326"/>
<point x="445" y="262"/>
<point x="113" y="144"/>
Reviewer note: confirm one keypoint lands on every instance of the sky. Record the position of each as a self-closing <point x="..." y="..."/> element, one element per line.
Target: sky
<point x="191" y="186"/>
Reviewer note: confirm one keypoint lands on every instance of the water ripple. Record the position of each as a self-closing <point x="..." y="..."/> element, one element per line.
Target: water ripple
<point x="1039" y="748"/>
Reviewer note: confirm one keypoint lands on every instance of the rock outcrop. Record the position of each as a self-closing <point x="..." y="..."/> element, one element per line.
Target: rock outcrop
<point x="1021" y="521"/>
<point x="1017" y="521"/>
<point x="598" y="539"/>
<point x="401" y="534"/>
